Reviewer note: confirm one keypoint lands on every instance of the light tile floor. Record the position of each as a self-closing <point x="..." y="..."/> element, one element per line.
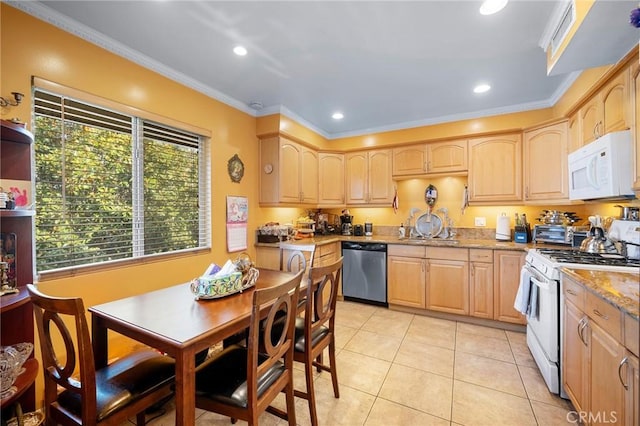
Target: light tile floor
<point x="396" y="368"/>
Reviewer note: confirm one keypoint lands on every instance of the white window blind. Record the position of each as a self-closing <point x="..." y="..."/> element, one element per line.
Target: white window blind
<point x="112" y="186"/>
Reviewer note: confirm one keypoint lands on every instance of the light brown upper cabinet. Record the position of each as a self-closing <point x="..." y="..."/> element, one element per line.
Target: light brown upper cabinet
<point x="288" y="172"/>
<point x="608" y="110"/>
<point x="636" y="124"/>
<point x="433" y="158"/>
<point x="368" y="177"/>
<point x="410" y="160"/>
<point x="331" y="175"/>
<point x="546" y="177"/>
<point x="495" y="169"/>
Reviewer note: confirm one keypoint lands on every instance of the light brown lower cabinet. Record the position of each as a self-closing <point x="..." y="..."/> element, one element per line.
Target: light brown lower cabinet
<point x="599" y="374"/>
<point x="472" y="282"/>
<point x="406" y="278"/>
<point x="632" y="389"/>
<point x="481" y="283"/>
<point x="507" y="265"/>
<point x="448" y="280"/>
<point x="406" y="281"/>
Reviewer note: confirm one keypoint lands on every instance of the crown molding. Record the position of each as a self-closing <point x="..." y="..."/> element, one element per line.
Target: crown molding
<point x="44" y="13"/>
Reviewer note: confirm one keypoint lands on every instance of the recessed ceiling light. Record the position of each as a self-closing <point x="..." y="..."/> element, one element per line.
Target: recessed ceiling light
<point x="240" y="50"/>
<point x="337" y="116"/>
<point x="481" y="88"/>
<point x="489" y="7"/>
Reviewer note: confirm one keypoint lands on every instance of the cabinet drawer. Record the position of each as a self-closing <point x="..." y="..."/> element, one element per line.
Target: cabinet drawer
<point x="574" y="292"/>
<point x="605" y="315"/>
<point x="326" y="250"/>
<point x="407" y="251"/>
<point x="448" y="253"/>
<point x="631" y="333"/>
<point x="481" y="255"/>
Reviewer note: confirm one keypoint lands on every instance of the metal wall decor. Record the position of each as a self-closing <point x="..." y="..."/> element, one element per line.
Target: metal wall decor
<point x="235" y="166"/>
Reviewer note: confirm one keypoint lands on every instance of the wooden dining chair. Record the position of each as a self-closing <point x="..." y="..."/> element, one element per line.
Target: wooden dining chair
<point x="241" y="382"/>
<point x="296" y="257"/>
<point x="75" y="392"/>
<point x="316" y="331"/>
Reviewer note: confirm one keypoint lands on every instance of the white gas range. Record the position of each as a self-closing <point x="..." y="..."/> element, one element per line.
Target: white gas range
<point x="540" y="296"/>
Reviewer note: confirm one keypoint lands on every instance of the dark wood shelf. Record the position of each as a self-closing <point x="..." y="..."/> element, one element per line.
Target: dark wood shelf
<point x="17" y="213"/>
<point x="12" y="301"/>
<point x="16" y="324"/>
<point x="23" y="382"/>
<point x="10" y="131"/>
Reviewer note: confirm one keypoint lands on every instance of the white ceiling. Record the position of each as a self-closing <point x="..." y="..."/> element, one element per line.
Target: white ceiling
<point x="385" y="65"/>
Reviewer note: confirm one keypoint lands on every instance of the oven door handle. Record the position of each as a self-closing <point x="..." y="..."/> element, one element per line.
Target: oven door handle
<point x="543" y="285"/>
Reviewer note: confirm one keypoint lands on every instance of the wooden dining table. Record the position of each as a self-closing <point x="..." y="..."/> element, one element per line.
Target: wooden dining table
<point x="174" y="322"/>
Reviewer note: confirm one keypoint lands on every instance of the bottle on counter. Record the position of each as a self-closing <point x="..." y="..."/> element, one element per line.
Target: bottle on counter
<point x="401" y="233"/>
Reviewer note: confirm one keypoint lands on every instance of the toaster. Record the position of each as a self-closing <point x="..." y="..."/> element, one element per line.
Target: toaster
<point x="358" y="230"/>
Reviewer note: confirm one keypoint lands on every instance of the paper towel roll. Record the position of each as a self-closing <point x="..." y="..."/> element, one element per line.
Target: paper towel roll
<point x="503" y="228"/>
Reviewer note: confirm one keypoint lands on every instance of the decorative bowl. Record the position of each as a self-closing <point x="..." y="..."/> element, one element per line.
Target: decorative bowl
<point x="9" y="369"/>
<point x="24" y="349"/>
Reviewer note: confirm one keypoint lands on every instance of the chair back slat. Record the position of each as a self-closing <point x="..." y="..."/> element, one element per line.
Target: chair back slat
<point x="271" y="303"/>
<point x="296" y="257"/>
<point x="320" y="309"/>
<point x="76" y="375"/>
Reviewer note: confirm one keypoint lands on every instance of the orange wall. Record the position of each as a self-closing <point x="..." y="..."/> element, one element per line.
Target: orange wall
<point x="31" y="47"/>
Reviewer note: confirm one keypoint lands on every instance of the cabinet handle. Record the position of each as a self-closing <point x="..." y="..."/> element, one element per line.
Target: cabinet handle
<point x="571" y="292"/>
<point x="624" y="361"/>
<point x="582" y="325"/>
<point x="526" y="192"/>
<point x="425" y="167"/>
<point x="604" y="317"/>
<point x="428" y="165"/>
<point x="595" y="131"/>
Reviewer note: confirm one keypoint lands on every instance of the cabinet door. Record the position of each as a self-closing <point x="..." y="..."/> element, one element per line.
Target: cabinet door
<point x="447" y="157"/>
<point x="495" y="169"/>
<point x="331" y="176"/>
<point x="632" y="403"/>
<point x="289" y="168"/>
<point x="308" y="176"/>
<point x="406" y="281"/>
<point x="574" y="133"/>
<point x="636" y="124"/>
<point x="380" y="182"/>
<point x="448" y="286"/>
<point x="409" y="160"/>
<point x="607" y="395"/>
<point x="268" y="258"/>
<point x="615" y="100"/>
<point x="356" y="167"/>
<point x="506" y="274"/>
<point x="481" y="290"/>
<point x="589" y="121"/>
<point x="574" y="356"/>
<point x="545" y="167"/>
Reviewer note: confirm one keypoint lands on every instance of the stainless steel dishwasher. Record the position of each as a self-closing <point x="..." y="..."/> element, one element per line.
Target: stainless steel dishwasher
<point x="364" y="272"/>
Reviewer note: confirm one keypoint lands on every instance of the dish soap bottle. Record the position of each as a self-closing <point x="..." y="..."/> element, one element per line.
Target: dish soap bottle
<point x="401" y="233"/>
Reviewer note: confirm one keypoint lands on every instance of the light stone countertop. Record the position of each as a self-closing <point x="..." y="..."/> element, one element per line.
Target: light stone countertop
<point x="621" y="290"/>
<point x="431" y="242"/>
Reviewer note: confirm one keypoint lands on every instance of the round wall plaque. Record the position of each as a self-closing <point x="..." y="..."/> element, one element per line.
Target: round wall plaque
<point x="235" y="167"/>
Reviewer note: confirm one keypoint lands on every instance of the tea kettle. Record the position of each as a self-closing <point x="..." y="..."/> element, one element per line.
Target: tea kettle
<point x="596" y="241"/>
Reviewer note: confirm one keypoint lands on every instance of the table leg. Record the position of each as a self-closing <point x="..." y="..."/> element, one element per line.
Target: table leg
<point x="185" y="388"/>
<point x="99" y="342"/>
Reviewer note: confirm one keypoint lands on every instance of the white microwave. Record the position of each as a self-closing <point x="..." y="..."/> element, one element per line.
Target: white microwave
<point x="603" y="168"/>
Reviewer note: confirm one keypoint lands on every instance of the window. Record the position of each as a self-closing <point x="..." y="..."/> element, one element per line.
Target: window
<point x="112" y="186"/>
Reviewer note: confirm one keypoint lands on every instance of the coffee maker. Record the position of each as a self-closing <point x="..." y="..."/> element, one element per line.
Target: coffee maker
<point x="346" y="223"/>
